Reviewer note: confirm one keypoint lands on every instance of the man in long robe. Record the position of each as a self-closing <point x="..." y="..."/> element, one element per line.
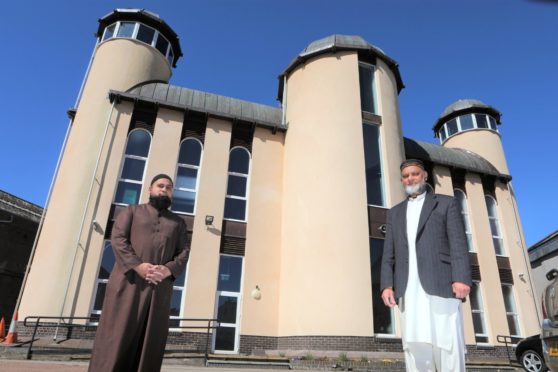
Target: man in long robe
<point x="149" y="244"/>
<point x="426" y="269"/>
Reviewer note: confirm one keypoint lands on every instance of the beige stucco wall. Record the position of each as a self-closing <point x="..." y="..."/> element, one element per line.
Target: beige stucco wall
<point x="483" y="142"/>
<point x="165" y="145"/>
<point x="263" y="236"/>
<point x="325" y="286"/>
<point x="442" y="180"/>
<point x="201" y="282"/>
<point x="526" y="299"/>
<point x="118" y="64"/>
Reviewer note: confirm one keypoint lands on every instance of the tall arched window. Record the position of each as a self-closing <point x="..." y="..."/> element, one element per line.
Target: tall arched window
<point x="133" y="167"/>
<point x="187" y="170"/>
<point x="237" y="184"/>
<point x="462" y="199"/>
<point x="494" y="225"/>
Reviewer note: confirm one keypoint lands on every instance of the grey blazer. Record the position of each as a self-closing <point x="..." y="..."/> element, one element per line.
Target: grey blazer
<point x="441" y="245"/>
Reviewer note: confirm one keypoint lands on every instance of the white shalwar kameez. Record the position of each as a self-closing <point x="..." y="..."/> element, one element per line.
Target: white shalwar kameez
<point x="432" y="326"/>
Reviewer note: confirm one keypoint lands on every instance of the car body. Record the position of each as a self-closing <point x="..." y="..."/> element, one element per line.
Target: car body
<point x="529" y="353"/>
<point x="549" y="334"/>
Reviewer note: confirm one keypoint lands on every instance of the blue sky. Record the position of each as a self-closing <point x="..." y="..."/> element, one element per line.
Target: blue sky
<point x="503" y="52"/>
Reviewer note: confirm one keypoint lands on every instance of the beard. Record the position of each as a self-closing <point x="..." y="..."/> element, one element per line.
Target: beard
<point x="416" y="189"/>
<point x="160" y="202"/>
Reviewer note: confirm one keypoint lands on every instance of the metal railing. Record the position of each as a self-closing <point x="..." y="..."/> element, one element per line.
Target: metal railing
<point x="508" y="341"/>
<point x="60" y="322"/>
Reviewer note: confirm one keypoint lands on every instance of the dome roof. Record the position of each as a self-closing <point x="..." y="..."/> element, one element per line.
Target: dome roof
<point x="464" y="106"/>
<point x="335" y="43"/>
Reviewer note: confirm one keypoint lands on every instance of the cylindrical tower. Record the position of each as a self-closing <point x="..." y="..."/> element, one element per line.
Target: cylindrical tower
<point x="471" y="124"/>
<point x="340" y="102"/>
<point x="133" y="46"/>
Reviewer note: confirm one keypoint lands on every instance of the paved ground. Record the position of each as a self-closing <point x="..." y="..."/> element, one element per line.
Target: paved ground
<point x="7" y="365"/>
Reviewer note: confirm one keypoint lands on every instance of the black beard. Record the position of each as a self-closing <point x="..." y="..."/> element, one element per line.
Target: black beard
<point x="160" y="202"/>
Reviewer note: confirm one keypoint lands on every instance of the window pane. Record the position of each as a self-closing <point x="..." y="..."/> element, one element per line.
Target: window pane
<point x="230" y="272"/>
<point x="176" y="300"/>
<point x="109" y="31"/>
<point x="366" y="80"/>
<point x="170" y="57"/>
<point x="481" y="121"/>
<point x="133" y="169"/>
<point x="481" y="339"/>
<point x="508" y="298"/>
<point x="372" y="162"/>
<point x="237" y="186"/>
<point x="235" y="209"/>
<point x="145" y="34"/>
<point x="127" y="193"/>
<point x="498" y="246"/>
<point x="190" y="152"/>
<point x="452" y="127"/>
<point x="107" y="261"/>
<point x="383" y="315"/>
<point x="179" y="282"/>
<point x="138" y="143"/>
<point x="100" y="296"/>
<point x="478" y="323"/>
<point x="162" y="45"/>
<point x="476" y="301"/>
<point x="490" y="206"/>
<point x="466" y="122"/>
<point x="183" y="201"/>
<point x="239" y="161"/>
<point x="226" y="312"/>
<point x="442" y="134"/>
<point x="186" y="178"/>
<point x="494" y="228"/>
<point x="512" y="324"/>
<point x="492" y="123"/>
<point x="224" y="338"/>
<point x="126" y="29"/>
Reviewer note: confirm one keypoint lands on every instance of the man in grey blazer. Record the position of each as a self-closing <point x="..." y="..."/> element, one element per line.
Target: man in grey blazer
<point x="426" y="271"/>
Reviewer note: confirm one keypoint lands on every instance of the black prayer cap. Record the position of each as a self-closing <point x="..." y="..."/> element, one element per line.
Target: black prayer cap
<point x="159" y="176"/>
<point x="409" y="162"/>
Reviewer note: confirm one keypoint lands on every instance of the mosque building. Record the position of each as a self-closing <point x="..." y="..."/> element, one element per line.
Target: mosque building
<point x="285" y="206"/>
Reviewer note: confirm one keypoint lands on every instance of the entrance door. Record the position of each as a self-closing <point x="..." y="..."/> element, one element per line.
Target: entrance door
<point x="227" y="307"/>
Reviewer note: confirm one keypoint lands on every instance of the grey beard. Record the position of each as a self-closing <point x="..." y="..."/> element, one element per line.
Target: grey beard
<point x="416" y="189"/>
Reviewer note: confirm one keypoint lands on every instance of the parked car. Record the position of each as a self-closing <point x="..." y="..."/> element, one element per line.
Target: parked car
<point x="550" y="323"/>
<point x="529" y="353"/>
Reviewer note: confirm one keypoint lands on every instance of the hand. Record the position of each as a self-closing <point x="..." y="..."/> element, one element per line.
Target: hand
<point x="389" y="298"/>
<point x="157" y="273"/>
<point x="460" y="290"/>
<point x="142" y="269"/>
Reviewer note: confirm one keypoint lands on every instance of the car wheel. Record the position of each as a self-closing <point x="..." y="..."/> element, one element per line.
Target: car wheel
<point x="532" y="361"/>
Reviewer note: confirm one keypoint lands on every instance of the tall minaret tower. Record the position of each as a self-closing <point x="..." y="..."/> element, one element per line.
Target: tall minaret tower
<point x="133" y="46"/>
<point x="340" y="102"/>
<point x="498" y="240"/>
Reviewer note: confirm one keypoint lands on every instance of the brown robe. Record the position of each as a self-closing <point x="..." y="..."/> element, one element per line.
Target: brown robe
<point x="134" y="324"/>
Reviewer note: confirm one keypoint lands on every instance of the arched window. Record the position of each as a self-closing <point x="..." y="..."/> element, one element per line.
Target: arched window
<point x="187" y="171"/>
<point x="237" y="184"/>
<point x="462" y="199"/>
<point x="494" y="225"/>
<point x="133" y="167"/>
